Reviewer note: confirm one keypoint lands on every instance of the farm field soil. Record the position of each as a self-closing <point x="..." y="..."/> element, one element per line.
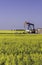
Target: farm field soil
<point x="20" y="49"/>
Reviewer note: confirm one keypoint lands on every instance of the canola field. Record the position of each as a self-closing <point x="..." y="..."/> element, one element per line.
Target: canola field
<point x="20" y="49"/>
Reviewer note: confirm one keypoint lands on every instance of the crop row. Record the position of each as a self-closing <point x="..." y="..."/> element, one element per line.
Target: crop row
<point x="21" y="50"/>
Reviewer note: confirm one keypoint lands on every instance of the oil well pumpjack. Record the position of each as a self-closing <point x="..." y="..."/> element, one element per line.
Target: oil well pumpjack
<point x="29" y="27"/>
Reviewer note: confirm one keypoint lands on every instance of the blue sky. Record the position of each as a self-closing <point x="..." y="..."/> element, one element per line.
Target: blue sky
<point x="13" y="13"/>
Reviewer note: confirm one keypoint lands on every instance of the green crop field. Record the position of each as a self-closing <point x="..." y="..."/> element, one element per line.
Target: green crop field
<point x="20" y="49"/>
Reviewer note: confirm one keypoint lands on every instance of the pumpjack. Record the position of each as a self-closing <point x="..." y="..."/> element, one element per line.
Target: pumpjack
<point x="29" y="27"/>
